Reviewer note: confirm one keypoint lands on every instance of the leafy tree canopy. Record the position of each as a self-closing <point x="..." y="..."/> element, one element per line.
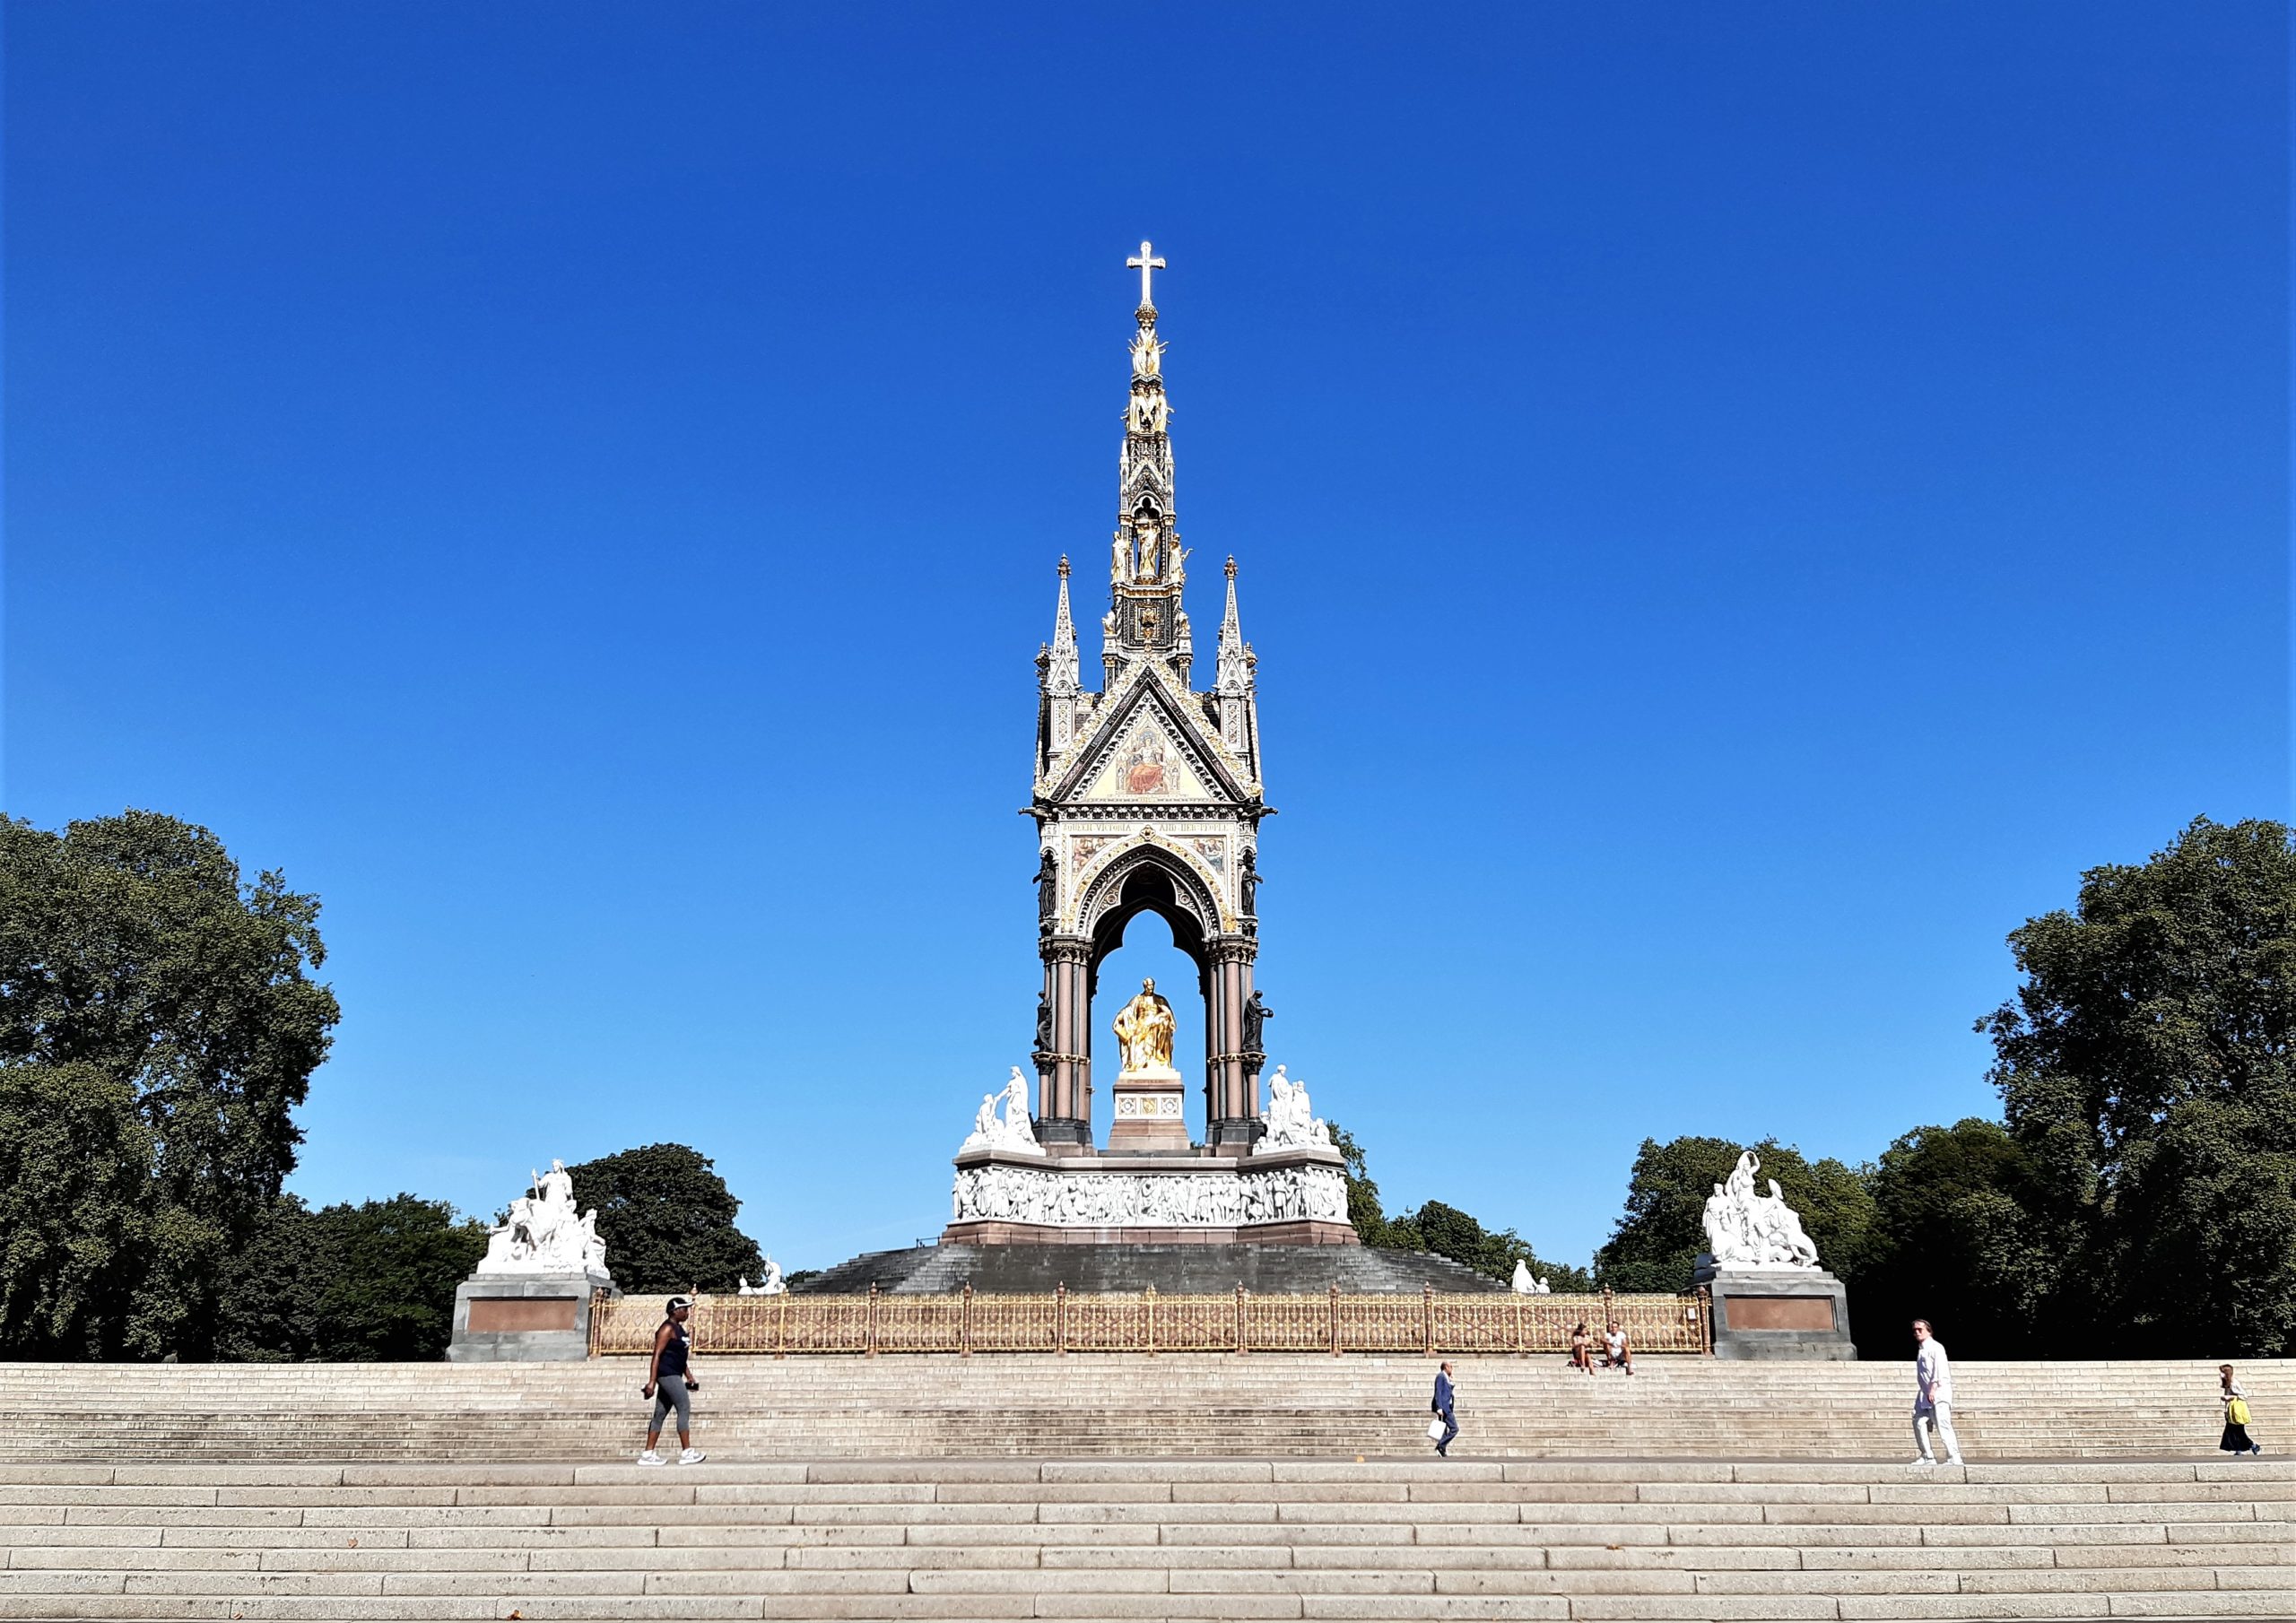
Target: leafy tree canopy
<point x="2145" y="1070"/>
<point x="1955" y="1242"/>
<point x="667" y="1221"/>
<point x="1656" y="1244"/>
<point x="164" y="1010"/>
<point x="1445" y="1230"/>
<point x="350" y="1283"/>
<point x="75" y="1188"/>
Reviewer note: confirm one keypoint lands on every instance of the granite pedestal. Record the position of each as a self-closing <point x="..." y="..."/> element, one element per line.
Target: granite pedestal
<point x="1777" y="1313"/>
<point x="525" y="1317"/>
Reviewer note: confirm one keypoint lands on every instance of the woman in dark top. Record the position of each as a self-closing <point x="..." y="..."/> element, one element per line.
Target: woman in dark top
<point x="669" y="1382"/>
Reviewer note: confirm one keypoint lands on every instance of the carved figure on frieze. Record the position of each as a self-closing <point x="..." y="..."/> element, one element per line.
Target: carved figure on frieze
<point x="1047" y="883"/>
<point x="1250" y="869"/>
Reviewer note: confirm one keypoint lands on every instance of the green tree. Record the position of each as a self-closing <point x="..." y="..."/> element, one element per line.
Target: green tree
<point x="350" y="1283"/>
<point x="1656" y="1244"/>
<point x="132" y="957"/>
<point x="667" y="1220"/>
<point x="2145" y="1070"/>
<point x="1956" y="1242"/>
<point x="1447" y="1231"/>
<point x="1435" y="1226"/>
<point x="75" y="1177"/>
<point x="1364" y="1213"/>
<point x="270" y="1301"/>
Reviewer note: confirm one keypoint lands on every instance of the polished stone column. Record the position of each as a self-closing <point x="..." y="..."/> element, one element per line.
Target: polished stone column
<point x="1231" y="1085"/>
<point x="1064" y="1069"/>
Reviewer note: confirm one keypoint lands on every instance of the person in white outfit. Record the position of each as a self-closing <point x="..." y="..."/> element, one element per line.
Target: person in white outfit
<point x="1932" y="1396"/>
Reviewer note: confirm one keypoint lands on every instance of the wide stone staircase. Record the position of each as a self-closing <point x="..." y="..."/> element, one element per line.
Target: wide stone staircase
<point x="1137" y="1539"/>
<point x="1118" y="1486"/>
<point x="1119" y="1405"/>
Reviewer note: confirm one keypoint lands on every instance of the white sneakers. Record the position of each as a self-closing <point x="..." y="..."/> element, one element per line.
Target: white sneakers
<point x="650" y="1458"/>
<point x="691" y="1457"/>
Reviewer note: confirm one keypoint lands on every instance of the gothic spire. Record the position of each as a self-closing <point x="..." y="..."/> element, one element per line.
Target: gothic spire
<point x="1146" y="566"/>
<point x="1234" y="671"/>
<point x="1062" y="679"/>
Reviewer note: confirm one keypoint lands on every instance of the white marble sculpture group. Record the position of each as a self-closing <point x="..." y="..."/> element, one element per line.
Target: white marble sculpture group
<point x="1745" y="1229"/>
<point x="1011" y="1131"/>
<point x="1526" y="1283"/>
<point x="544" y="1234"/>
<point x="1291" y="1122"/>
<point x="1095" y="1199"/>
<point x="770" y="1285"/>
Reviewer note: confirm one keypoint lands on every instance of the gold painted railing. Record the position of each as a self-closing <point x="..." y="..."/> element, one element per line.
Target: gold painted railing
<point x="1061" y="1323"/>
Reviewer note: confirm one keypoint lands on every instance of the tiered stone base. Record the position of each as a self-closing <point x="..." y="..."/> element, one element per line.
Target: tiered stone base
<point x="1190" y="1268"/>
<point x="1289" y="1197"/>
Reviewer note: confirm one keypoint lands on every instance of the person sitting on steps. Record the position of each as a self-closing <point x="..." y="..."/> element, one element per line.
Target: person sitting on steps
<point x="1582" y="1348"/>
<point x="1616" y="1353"/>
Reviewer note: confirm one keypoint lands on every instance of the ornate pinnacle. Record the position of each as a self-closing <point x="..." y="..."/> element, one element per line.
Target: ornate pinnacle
<point x="1062" y="677"/>
<point x="1234" y="676"/>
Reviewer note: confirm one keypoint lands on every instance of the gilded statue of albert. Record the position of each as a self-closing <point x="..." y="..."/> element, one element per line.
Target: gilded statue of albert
<point x="1144" y="1032"/>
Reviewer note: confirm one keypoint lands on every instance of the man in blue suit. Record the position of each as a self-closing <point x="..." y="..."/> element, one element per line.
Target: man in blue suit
<point x="1446" y="1396"/>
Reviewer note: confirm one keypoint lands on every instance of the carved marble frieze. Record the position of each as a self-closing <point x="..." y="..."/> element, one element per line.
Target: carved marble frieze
<point x="1178" y="1200"/>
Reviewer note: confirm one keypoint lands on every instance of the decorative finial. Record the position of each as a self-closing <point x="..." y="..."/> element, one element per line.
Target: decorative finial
<point x="1064" y="564"/>
<point x="1231" y="566"/>
<point x="1144" y="262"/>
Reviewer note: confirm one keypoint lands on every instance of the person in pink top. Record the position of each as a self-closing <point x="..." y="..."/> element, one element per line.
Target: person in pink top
<point x="1933" y="1397"/>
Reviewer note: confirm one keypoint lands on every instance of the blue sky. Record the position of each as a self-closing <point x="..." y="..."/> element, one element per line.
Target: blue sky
<point x="1736" y="507"/>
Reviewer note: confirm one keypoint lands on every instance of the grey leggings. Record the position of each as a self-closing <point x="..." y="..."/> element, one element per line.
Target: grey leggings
<point x="670" y="1393"/>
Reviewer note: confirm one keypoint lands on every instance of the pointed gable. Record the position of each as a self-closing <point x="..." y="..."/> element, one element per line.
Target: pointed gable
<point x="1147" y="764"/>
<point x="1150" y="748"/>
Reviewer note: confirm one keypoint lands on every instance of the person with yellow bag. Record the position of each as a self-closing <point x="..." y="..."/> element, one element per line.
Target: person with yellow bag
<point x="2236" y="1414"/>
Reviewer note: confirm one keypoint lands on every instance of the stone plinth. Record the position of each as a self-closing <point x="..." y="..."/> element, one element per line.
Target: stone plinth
<point x="1150" y="1112"/>
<point x="1777" y="1313"/>
<point x="524" y="1317"/>
<point x="1287" y="1197"/>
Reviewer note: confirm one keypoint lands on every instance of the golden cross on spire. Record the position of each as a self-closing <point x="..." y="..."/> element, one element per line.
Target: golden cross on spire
<point x="1144" y="262"/>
